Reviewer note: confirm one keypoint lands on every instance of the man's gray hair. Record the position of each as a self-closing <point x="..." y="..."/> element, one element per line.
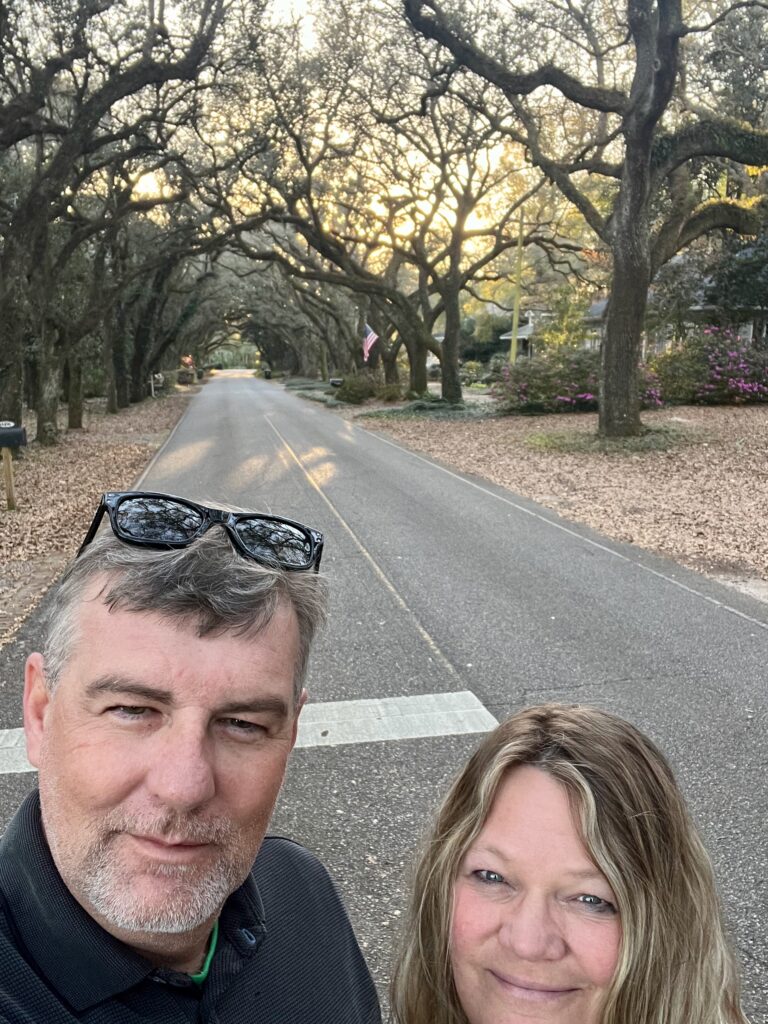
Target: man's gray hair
<point x="207" y="585"/>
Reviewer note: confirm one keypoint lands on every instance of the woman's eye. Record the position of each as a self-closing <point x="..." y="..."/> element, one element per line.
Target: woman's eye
<point x="488" y="877"/>
<point x="596" y="904"/>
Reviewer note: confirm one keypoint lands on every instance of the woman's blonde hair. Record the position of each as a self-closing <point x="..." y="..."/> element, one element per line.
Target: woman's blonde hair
<point x="675" y="965"/>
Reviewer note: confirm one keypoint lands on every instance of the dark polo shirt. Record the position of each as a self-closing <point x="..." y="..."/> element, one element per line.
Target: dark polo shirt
<point x="286" y="952"/>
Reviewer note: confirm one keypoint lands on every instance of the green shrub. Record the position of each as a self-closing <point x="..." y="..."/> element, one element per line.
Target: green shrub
<point x="471" y="371"/>
<point x="496" y="366"/>
<point x="355" y="390"/>
<point x="389" y="392"/>
<point x="681" y="372"/>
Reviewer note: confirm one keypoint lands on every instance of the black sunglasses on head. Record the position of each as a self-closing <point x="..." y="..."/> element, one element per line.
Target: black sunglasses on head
<point x="164" y="521"/>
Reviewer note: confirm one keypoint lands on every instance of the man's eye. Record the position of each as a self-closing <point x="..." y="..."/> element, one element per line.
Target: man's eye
<point x="129" y="711"/>
<point x="243" y="726"/>
<point x="596" y="903"/>
<point x="488" y="877"/>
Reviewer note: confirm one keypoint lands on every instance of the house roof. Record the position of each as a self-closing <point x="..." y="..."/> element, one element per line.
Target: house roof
<point x="523" y="333"/>
<point x="596" y="312"/>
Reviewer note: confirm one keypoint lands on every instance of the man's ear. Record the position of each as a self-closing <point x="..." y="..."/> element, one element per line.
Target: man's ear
<point x="37" y="699"/>
<point x="299" y="705"/>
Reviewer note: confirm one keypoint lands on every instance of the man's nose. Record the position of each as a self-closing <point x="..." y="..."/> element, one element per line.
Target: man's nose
<point x="531" y="929"/>
<point x="181" y="775"/>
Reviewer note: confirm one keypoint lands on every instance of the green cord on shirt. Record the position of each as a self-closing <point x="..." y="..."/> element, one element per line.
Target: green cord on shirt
<point x="202" y="974"/>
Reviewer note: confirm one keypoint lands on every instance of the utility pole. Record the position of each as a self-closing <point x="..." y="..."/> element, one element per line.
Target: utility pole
<point x="516" y="305"/>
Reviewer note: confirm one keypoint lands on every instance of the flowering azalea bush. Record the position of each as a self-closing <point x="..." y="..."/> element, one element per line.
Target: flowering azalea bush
<point x="713" y="366"/>
<point x="560" y="380"/>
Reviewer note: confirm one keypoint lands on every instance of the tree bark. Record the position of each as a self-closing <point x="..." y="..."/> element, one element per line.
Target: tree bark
<point x="12" y="333"/>
<point x="449" y="364"/>
<point x="49" y="388"/>
<point x="11" y="374"/>
<point x="417" y="366"/>
<point x="619" y="391"/>
<point x="389" y="362"/>
<point x="75" y="391"/>
<point x="120" y="365"/>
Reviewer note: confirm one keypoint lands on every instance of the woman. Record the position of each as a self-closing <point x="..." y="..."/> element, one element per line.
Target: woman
<point x="564" y="882"/>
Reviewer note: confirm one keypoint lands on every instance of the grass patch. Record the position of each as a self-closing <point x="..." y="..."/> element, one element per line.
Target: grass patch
<point x="652" y="439"/>
<point x="323" y="397"/>
<point x="305" y="384"/>
<point x="434" y="409"/>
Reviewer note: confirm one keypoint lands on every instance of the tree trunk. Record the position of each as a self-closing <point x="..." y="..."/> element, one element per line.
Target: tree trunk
<point x="417" y="368"/>
<point x="120" y="364"/>
<point x="11" y="379"/>
<point x="619" y="398"/>
<point x="11" y="352"/>
<point x="449" y="364"/>
<point x="389" y="362"/>
<point x="619" y="391"/>
<point x="50" y="383"/>
<point x="139" y="371"/>
<point x="108" y="358"/>
<point x="75" y="391"/>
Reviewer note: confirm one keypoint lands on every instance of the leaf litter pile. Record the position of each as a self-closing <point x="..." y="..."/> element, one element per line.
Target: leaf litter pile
<point x="58" y="488"/>
<point x="694" y="488"/>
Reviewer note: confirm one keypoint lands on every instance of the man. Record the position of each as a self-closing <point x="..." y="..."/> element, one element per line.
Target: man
<point x="160" y="718"/>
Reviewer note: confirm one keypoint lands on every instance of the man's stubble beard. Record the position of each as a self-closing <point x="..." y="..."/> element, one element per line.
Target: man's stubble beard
<point x="195" y="894"/>
<point x="102" y="882"/>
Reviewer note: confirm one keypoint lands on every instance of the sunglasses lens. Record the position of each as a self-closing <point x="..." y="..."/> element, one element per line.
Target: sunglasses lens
<point x="275" y="542"/>
<point x="157" y="520"/>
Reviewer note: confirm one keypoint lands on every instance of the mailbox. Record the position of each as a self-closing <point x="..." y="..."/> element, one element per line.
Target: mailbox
<point x="12" y="436"/>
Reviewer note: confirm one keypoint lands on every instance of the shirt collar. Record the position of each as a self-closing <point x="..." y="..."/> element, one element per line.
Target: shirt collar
<point x="81" y="960"/>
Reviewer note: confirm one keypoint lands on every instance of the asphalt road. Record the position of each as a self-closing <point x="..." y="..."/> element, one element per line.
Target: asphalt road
<point x="444" y="583"/>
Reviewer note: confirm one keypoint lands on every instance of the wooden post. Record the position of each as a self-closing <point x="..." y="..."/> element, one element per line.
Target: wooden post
<point x="10" y="494"/>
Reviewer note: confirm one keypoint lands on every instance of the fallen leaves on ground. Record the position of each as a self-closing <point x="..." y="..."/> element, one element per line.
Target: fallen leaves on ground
<point x="702" y="502"/>
<point x="57" y="491"/>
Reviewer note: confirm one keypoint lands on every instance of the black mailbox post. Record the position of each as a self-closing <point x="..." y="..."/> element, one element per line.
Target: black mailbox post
<point x="11" y="436"/>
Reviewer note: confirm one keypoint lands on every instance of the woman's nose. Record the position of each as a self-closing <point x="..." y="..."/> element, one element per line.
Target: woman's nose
<point x="531" y="931"/>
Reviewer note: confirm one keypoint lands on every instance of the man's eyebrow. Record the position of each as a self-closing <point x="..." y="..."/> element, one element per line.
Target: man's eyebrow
<point x="259" y="705"/>
<point x="121" y="687"/>
<point x="125" y="687"/>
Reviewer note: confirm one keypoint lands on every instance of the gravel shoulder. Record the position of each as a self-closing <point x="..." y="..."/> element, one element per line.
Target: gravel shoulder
<point x="57" y="490"/>
<point x="702" y="501"/>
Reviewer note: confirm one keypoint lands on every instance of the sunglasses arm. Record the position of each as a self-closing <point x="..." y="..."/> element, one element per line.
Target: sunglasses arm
<point x="96" y="522"/>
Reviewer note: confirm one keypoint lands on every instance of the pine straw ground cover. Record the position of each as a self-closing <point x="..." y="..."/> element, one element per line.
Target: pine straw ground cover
<point x="57" y="490"/>
<point x="694" y="488"/>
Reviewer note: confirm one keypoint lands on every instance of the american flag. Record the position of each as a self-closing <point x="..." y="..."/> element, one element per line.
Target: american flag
<point x="369" y="341"/>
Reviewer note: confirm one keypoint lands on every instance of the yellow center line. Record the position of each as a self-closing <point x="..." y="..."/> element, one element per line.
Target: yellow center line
<point x="428" y="639"/>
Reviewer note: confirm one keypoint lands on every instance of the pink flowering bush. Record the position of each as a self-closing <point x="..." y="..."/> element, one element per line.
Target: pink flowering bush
<point x="560" y="380"/>
<point x="713" y="366"/>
